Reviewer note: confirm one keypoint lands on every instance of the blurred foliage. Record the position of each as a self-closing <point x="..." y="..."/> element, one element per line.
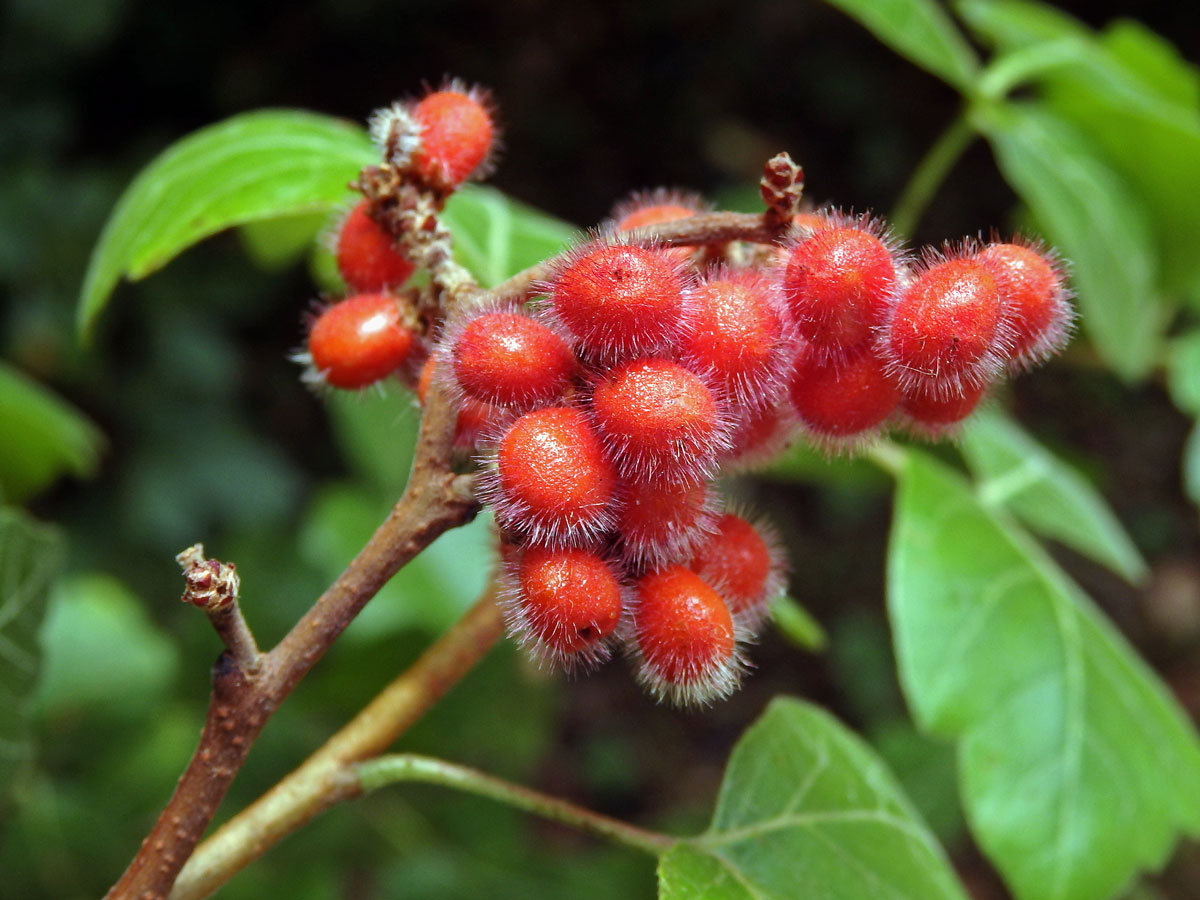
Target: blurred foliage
<point x="209" y="435"/>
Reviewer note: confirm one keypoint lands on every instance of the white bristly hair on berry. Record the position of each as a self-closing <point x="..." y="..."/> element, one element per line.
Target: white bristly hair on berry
<point x="452" y="330"/>
<point x="602" y="344"/>
<point x="522" y="629"/>
<point x="757" y="609"/>
<point x="577" y="529"/>
<point x="988" y="368"/>
<point x="676" y="541"/>
<point x="395" y="133"/>
<point x="651" y="198"/>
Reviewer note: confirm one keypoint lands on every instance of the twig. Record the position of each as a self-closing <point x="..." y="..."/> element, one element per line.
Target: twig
<point x="400" y="767"/>
<point x="213" y="586"/>
<point x="327" y="777"/>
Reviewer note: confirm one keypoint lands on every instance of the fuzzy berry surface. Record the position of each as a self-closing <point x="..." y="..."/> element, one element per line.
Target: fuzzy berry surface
<point x="933" y="412"/>
<point x="456" y="136"/>
<point x="842" y="399"/>
<point x="619" y="299"/>
<point x="737" y="335"/>
<point x="839" y="285"/>
<point x="359" y="341"/>
<point x="510" y="359"/>
<point x="737" y="558"/>
<point x="947" y="327"/>
<point x="475" y="418"/>
<point x="366" y="255"/>
<point x="569" y="599"/>
<point x="664" y="523"/>
<point x="661" y="420"/>
<point x="554" y="481"/>
<point x="1033" y="287"/>
<point x="685" y="637"/>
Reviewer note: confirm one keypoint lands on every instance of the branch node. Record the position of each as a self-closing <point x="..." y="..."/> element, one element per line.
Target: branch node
<point x="782" y="186"/>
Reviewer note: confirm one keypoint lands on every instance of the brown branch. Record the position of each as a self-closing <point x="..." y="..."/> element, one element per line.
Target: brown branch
<point x="694" y="231"/>
<point x="213" y="586"/>
<point x="327" y="777"/>
<point x="242" y="700"/>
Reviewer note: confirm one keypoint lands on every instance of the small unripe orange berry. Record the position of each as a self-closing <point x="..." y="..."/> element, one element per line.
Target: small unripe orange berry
<point x="839" y="285"/>
<point x="619" y="300"/>
<point x="660" y="421"/>
<point x="358" y="341"/>
<point x="565" y="604"/>
<point x="506" y="358"/>
<point x="553" y="482"/>
<point x="1032" y="286"/>
<point x="456" y="135"/>
<point x="842" y="400"/>
<point x="685" y="638"/>
<point x="367" y="257"/>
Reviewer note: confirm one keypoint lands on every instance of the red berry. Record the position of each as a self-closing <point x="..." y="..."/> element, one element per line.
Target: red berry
<point x="565" y="603"/>
<point x="661" y="422"/>
<point x="837" y="401"/>
<point x="366" y="254"/>
<point x="738" y="337"/>
<point x="744" y="563"/>
<point x="656" y="208"/>
<point x="509" y="359"/>
<point x="685" y="638"/>
<point x="759" y="435"/>
<point x="1032" y="286"/>
<point x="456" y="135"/>
<point x="619" y="300"/>
<point x="475" y="418"/>
<point x="948" y="328"/>
<point x="553" y="481"/>
<point x="931" y="415"/>
<point x="664" y="523"/>
<point x="839" y="285"/>
<point x="358" y="341"/>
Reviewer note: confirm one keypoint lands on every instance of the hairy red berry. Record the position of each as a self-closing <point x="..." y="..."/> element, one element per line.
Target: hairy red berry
<point x="564" y="604"/>
<point x="457" y="133"/>
<point x="759" y="435"/>
<point x="839" y="284"/>
<point x="1032" y="285"/>
<point x="685" y="637"/>
<point x="661" y="421"/>
<point x="619" y="299"/>
<point x="475" y="418"/>
<point x="664" y="523"/>
<point x="655" y="207"/>
<point x="738" y="337"/>
<point x="948" y="329"/>
<point x="745" y="563"/>
<point x="840" y="400"/>
<point x="367" y="257"/>
<point x="358" y="341"/>
<point x="506" y="358"/>
<point x="930" y="415"/>
<point x="553" y="481"/>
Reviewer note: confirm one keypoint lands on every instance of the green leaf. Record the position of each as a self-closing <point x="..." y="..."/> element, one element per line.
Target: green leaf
<point x="1135" y="100"/>
<point x="1015" y="472"/>
<point x="1077" y="768"/>
<point x="1191" y="465"/>
<point x="31" y="555"/>
<point x="277" y="243"/>
<point x="1183" y="372"/>
<point x="920" y="31"/>
<point x="496" y="237"/>
<point x="1091" y="215"/>
<point x="255" y="166"/>
<point x="807" y="810"/>
<point x="1010" y="24"/>
<point x="44" y="437"/>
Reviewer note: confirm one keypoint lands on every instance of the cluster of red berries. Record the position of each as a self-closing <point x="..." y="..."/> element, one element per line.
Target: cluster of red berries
<point x="603" y="403"/>
<point x="439" y="141"/>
